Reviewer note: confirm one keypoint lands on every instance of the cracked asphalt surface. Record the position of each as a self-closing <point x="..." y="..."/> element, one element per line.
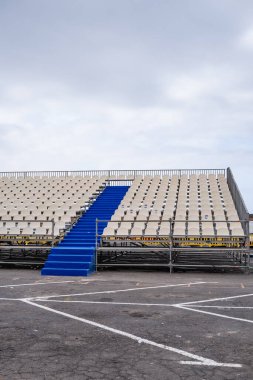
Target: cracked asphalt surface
<point x="39" y="344"/>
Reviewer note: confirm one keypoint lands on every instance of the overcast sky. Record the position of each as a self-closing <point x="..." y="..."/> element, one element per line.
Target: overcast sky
<point x="127" y="84"/>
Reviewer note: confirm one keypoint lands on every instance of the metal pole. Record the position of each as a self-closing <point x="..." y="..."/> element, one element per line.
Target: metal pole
<point x="96" y="246"/>
<point x="171" y="265"/>
<point x="247" y="243"/>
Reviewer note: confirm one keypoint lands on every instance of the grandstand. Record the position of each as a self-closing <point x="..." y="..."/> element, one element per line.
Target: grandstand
<point x="87" y="219"/>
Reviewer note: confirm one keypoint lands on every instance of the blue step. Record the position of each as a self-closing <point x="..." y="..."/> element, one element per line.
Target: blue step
<point x="70" y="257"/>
<point x="75" y="254"/>
<point x="65" y="272"/>
<point x="71" y="264"/>
<point x="74" y="250"/>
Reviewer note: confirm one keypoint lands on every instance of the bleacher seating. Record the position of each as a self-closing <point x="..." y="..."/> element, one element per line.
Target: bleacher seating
<point x="27" y="205"/>
<point x="199" y="206"/>
<point x="76" y="220"/>
<point x="155" y="206"/>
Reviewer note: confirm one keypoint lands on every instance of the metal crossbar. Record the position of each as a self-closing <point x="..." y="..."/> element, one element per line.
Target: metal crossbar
<point x="225" y="252"/>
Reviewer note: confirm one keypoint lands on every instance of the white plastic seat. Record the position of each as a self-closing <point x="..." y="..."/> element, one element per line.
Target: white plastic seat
<point x="40" y="231"/>
<point x="111" y="228"/>
<point x="14" y="213"/>
<point x="207" y="230"/>
<point x="143" y="214"/>
<point x="124" y="229"/>
<point x="155" y="215"/>
<point x="235" y="225"/>
<point x="117" y="217"/>
<point x="237" y="231"/>
<point x="109" y="231"/>
<point x="193" y="215"/>
<point x="58" y="228"/>
<point x="27" y="231"/>
<point x="130" y="215"/>
<point x="3" y="230"/>
<point x="47" y="225"/>
<point x="179" y="231"/>
<point x="193" y="231"/>
<point x="193" y="224"/>
<point x="151" y="229"/>
<point x="9" y="224"/>
<point x="47" y="215"/>
<point x="164" y="229"/>
<point x="30" y="217"/>
<point x="233" y="216"/>
<point x="180" y="216"/>
<point x="221" y="224"/>
<point x="14" y="231"/>
<point x="7" y="217"/>
<point x="159" y="205"/>
<point x="59" y="212"/>
<point x="71" y="213"/>
<point x="168" y="214"/>
<point x="219" y="216"/>
<point x="137" y="230"/>
<point x="222" y="231"/>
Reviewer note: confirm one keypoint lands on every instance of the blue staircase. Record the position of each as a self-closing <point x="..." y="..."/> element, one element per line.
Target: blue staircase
<point x="75" y="254"/>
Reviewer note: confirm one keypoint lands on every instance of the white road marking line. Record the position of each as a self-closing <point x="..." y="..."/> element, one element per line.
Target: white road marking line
<point x="123" y="290"/>
<point x="214" y="299"/>
<point x="199" y="360"/>
<point x="223" y="307"/>
<point x="10" y="299"/>
<point x="36" y="283"/>
<point x="215" y="314"/>
<point x="104" y="303"/>
<point x="138" y="304"/>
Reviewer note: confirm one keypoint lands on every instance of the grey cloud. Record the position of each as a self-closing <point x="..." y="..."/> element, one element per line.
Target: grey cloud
<point x="126" y="84"/>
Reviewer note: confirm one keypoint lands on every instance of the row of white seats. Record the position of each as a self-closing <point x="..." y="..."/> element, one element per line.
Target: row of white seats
<point x="54" y="185"/>
<point x="50" y="205"/>
<point x="64" y="218"/>
<point x="39" y="190"/>
<point x="49" y="192"/>
<point x="68" y="185"/>
<point x="61" y="209"/>
<point x="128" y="229"/>
<point x="16" y="231"/>
<point x="24" y="224"/>
<point x="53" y="200"/>
<point x="155" y="214"/>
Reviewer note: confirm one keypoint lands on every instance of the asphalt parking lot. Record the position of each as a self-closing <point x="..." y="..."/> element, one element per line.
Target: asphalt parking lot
<point x="126" y="325"/>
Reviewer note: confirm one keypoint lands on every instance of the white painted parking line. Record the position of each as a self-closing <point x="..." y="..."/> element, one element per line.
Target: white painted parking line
<point x="196" y="359"/>
<point x="214" y="299"/>
<point x="103" y="302"/>
<point x="139" y="304"/>
<point x="122" y="290"/>
<point x="224" y="307"/>
<point x="36" y="283"/>
<point x="210" y="313"/>
<point x="10" y="299"/>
